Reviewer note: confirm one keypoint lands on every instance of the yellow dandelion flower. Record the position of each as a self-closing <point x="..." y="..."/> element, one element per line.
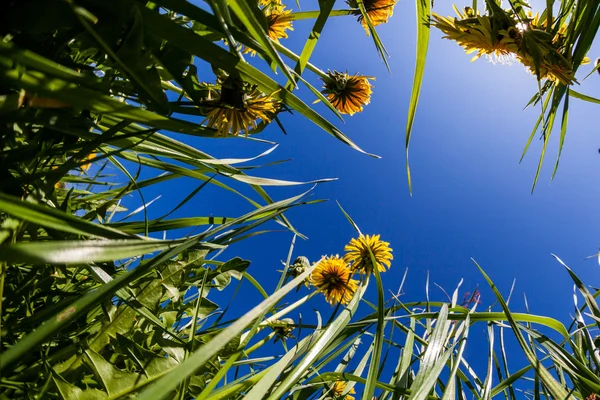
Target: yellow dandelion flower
<point x="558" y="72"/>
<point x="271" y="4"/>
<point x="333" y="278"/>
<point x="237" y="111"/>
<point x="337" y="390"/>
<point x="279" y="20"/>
<point x="534" y="23"/>
<point x="357" y="252"/>
<point x="59" y="184"/>
<point x="89" y="158"/>
<point x="379" y="11"/>
<point x="348" y="93"/>
<point x="475" y="34"/>
<point x="553" y="63"/>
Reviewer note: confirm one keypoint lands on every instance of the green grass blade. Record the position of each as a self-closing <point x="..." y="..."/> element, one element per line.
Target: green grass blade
<point x="373" y="32"/>
<point x="434" y="359"/>
<point x="249" y="15"/>
<point x="450" y="388"/>
<point x="583" y="97"/>
<point x="79" y="251"/>
<point x="423" y="16"/>
<point x="328" y="335"/>
<point x="260" y="390"/>
<point x="563" y="131"/>
<point x="56" y="219"/>
<point x="309" y="46"/>
<point x="373" y="373"/>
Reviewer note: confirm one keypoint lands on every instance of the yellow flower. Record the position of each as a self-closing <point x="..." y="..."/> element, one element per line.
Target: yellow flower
<point x="379" y="11"/>
<point x="475" y="33"/>
<point x="502" y="36"/>
<point x="278" y="21"/>
<point x="271" y="4"/>
<point x="283" y="329"/>
<point x="348" y="94"/>
<point x="237" y="111"/>
<point x="338" y="388"/>
<point x="89" y="158"/>
<point x="332" y="277"/>
<point x="558" y="72"/>
<point x="357" y="252"/>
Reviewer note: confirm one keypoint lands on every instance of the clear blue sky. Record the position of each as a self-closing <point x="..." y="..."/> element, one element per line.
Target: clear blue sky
<point x="471" y="196"/>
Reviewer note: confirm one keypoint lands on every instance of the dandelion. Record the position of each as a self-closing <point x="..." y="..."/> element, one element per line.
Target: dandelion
<point x="481" y="34"/>
<point x="503" y="37"/>
<point x="89" y="158"/>
<point x="558" y="72"/>
<point x="283" y="329"/>
<point x="237" y="111"/>
<point x="347" y="93"/>
<point x="279" y="20"/>
<point x="297" y="268"/>
<point x="357" y="253"/>
<point x="337" y="390"/>
<point x="379" y="11"/>
<point x="333" y="278"/>
<point x="271" y="4"/>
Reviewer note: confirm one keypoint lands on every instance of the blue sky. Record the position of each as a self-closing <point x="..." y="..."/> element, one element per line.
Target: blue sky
<point x="471" y="196"/>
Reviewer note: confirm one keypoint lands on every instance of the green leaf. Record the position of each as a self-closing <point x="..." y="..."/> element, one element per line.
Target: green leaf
<point x="430" y="367"/>
<point x="320" y="345"/>
<point x="82" y="305"/>
<point x="249" y="14"/>
<point x="53" y="218"/>
<point x="423" y="16"/>
<point x="114" y="380"/>
<point x="79" y="251"/>
<point x="563" y="131"/>
<point x="268" y="381"/>
<point x="373" y="373"/>
<point x="68" y="391"/>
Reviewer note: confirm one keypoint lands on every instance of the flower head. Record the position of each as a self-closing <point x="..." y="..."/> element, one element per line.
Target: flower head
<point x="337" y="391"/>
<point x="557" y="71"/>
<point x="357" y="252"/>
<point x="333" y="278"/>
<point x="238" y="111"/>
<point x="279" y="20"/>
<point x="485" y="35"/>
<point x="89" y="158"/>
<point x="283" y="329"/>
<point x="296" y="269"/>
<point x="271" y="4"/>
<point x="379" y="11"/>
<point x="347" y="93"/>
<point x="502" y="36"/>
